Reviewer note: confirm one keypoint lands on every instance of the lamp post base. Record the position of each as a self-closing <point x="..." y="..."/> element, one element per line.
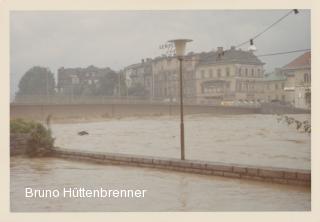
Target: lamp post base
<point x="182" y="140"/>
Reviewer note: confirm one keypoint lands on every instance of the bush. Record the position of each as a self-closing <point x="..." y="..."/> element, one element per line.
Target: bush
<point x="40" y="141"/>
<point x="21" y="126"/>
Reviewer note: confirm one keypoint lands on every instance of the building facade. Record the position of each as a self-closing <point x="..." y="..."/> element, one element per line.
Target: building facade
<point x="224" y="76"/>
<point x="80" y="81"/>
<point x="274" y="87"/>
<point x="298" y="82"/>
<point x="166" y="78"/>
<point x="140" y="74"/>
<point x="228" y="75"/>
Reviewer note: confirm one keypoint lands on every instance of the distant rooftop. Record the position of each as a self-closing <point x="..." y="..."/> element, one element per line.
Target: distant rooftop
<point x="303" y="61"/>
<point x="231" y="55"/>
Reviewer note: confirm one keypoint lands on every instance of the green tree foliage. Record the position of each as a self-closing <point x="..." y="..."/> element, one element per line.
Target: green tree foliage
<point x="108" y="84"/>
<point x="37" y="81"/>
<point x="137" y="90"/>
<point x="40" y="141"/>
<point x="21" y="126"/>
<point x="123" y="85"/>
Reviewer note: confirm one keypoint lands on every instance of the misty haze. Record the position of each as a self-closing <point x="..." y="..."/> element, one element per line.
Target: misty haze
<point x="205" y="110"/>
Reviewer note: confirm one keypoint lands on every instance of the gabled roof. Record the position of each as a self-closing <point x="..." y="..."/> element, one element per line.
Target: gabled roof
<point x="229" y="56"/>
<point x="303" y="61"/>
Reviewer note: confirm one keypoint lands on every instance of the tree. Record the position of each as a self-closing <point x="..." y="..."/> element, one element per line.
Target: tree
<point x="37" y="81"/>
<point x="107" y="84"/>
<point x="137" y="90"/>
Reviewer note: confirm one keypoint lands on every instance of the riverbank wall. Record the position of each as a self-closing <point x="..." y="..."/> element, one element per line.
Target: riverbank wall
<point x="266" y="174"/>
<point x="18" y="143"/>
<point x="105" y="111"/>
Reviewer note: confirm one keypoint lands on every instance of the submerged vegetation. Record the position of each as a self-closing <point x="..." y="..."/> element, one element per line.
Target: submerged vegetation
<point x="40" y="139"/>
<point x="302" y="126"/>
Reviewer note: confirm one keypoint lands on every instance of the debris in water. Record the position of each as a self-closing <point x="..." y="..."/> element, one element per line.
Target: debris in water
<point x="81" y="133"/>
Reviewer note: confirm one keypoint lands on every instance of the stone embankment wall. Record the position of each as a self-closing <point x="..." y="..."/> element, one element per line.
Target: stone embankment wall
<point x="274" y="108"/>
<point x="75" y="111"/>
<point x="18" y="143"/>
<point x="267" y="174"/>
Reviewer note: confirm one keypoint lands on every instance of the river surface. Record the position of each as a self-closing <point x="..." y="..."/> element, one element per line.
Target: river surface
<point x="244" y="139"/>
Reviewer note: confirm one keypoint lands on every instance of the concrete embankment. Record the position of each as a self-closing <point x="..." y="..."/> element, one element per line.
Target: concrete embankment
<point x="103" y="111"/>
<point x="18" y="143"/>
<point x="266" y="174"/>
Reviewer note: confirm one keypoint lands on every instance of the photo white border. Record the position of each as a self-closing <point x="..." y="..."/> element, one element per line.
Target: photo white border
<point x="9" y="5"/>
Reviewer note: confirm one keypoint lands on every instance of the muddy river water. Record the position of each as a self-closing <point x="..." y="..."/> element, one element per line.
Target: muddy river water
<point x="244" y="139"/>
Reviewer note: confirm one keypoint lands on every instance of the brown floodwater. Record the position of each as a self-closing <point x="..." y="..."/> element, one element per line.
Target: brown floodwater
<point x="166" y="190"/>
<point x="245" y="139"/>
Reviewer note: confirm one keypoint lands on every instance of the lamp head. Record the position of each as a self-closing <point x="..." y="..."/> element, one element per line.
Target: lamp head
<point x="180" y="45"/>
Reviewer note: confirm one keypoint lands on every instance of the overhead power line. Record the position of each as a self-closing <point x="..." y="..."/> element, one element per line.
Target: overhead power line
<point x="262" y="55"/>
<point x="295" y="11"/>
<point x="283" y="53"/>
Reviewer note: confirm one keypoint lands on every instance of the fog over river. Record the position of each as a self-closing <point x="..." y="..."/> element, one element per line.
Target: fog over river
<point x="245" y="139"/>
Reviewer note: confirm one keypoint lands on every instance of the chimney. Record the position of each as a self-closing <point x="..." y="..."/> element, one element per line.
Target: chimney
<point x="233" y="48"/>
<point x="220" y="52"/>
<point x="220" y="49"/>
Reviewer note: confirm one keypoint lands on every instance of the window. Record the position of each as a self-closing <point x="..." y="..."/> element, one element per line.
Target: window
<point x="276" y="86"/>
<point x="246" y="72"/>
<point x="210" y="73"/>
<point x="227" y="71"/>
<point x="282" y="85"/>
<point x="75" y="80"/>
<point x="202" y="74"/>
<point x="306" y="78"/>
<point x="240" y="71"/>
<point x="283" y="98"/>
<point x="252" y="72"/>
<point x="219" y="73"/>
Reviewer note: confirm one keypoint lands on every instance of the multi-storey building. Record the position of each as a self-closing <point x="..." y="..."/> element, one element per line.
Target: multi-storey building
<point x="291" y="83"/>
<point x="274" y="87"/>
<point x="298" y="81"/>
<point x="228" y="75"/>
<point x="165" y="75"/>
<point x="140" y="74"/>
<point x="224" y="76"/>
<point x="80" y="81"/>
<point x="209" y="77"/>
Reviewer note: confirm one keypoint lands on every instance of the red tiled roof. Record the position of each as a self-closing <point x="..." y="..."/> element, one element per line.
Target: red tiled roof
<point x="300" y="62"/>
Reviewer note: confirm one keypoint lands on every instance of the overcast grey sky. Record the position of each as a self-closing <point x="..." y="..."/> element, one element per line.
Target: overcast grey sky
<point x="116" y="39"/>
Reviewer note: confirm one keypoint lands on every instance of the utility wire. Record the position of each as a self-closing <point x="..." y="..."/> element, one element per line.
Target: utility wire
<point x="269" y="27"/>
<point x="262" y="55"/>
<point x="283" y="53"/>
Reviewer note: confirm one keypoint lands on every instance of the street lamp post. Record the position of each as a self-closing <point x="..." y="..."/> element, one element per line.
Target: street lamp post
<point x="180" y="46"/>
<point x="119" y="93"/>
